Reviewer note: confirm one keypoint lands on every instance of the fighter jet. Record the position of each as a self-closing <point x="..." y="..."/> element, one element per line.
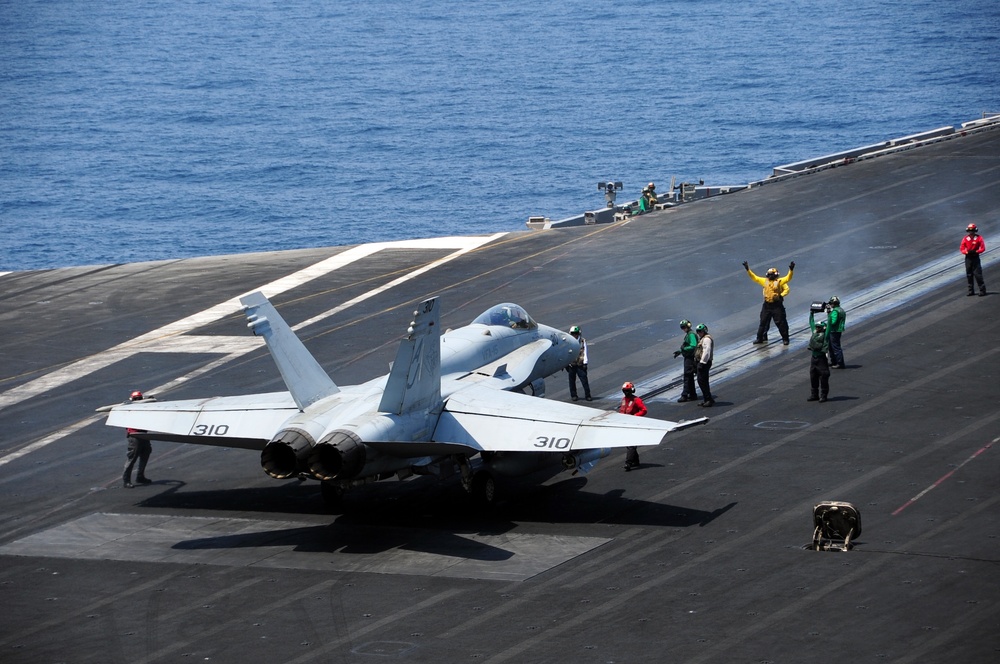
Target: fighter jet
<point x="451" y="403"/>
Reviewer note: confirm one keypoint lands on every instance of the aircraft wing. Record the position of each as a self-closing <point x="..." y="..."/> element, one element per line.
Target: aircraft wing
<point x="498" y="421"/>
<point x="247" y="421"/>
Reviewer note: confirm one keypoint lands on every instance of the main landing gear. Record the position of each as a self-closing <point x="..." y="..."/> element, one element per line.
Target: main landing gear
<point x="480" y="484"/>
<point x="333" y="496"/>
<point x="484" y="488"/>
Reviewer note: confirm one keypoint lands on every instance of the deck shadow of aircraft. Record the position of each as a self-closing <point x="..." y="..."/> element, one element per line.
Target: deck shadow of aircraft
<point x="286" y="498"/>
<point x="565" y="502"/>
<point x="435" y="506"/>
<point x="334" y="538"/>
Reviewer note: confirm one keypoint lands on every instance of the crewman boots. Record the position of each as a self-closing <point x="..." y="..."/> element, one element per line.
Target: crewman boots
<point x="142" y="479"/>
<point x="814" y="396"/>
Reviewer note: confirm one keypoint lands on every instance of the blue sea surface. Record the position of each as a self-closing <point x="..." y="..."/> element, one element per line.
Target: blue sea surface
<point x="145" y="130"/>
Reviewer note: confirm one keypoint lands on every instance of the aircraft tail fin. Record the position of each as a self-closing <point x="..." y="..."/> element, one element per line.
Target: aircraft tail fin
<point x="303" y="376"/>
<point x="414" y="381"/>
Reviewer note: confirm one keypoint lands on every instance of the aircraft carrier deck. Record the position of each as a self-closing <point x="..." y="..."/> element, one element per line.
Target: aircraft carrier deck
<point x="699" y="556"/>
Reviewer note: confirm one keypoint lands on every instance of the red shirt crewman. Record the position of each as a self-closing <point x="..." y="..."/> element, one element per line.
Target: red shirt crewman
<point x="631" y="405"/>
<point x="973" y="245"/>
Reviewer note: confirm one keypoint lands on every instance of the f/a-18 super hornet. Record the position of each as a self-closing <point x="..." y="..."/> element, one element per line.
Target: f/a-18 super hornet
<point x="451" y="403"/>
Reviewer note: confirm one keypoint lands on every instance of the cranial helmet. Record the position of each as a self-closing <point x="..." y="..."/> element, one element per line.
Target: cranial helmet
<point x="701" y="328"/>
<point x="821" y="324"/>
<point x="685" y="324"/>
<point x="772" y="273"/>
<point x="651" y="186"/>
<point x="135" y="396"/>
<point x="628" y="387"/>
<point x="575" y="329"/>
<point x="835" y="301"/>
<point x="972" y="228"/>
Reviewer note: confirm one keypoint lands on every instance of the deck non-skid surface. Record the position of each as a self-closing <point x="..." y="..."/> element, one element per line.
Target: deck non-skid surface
<point x="698" y="556"/>
<point x="296" y="545"/>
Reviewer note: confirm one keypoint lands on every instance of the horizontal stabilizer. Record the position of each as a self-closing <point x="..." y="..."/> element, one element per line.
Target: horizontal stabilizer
<point x="505" y="421"/>
<point x="246" y="422"/>
<point x="304" y="377"/>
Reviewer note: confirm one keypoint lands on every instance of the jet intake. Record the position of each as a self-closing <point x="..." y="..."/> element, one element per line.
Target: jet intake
<point x="285" y="456"/>
<point x="339" y="456"/>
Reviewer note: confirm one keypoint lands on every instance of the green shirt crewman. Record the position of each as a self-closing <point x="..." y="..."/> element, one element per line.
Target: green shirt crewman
<point x="688" y="347"/>
<point x="819" y="366"/>
<point x="836" y="320"/>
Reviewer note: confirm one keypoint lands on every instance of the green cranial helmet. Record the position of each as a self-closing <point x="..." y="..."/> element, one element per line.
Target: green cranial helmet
<point x="821" y="324"/>
<point x="701" y="328"/>
<point x="835" y="301"/>
<point x="685" y="324"/>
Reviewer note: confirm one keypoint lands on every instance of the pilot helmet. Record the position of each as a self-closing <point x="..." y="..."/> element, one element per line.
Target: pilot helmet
<point x="972" y="228"/>
<point x="685" y="324"/>
<point x="575" y="329"/>
<point x="701" y="328"/>
<point x="135" y="396"/>
<point x="772" y="273"/>
<point x="628" y="388"/>
<point x="835" y="301"/>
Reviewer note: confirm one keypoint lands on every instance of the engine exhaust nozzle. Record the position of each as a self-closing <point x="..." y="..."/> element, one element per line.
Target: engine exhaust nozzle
<point x="339" y="456"/>
<point x="286" y="456"/>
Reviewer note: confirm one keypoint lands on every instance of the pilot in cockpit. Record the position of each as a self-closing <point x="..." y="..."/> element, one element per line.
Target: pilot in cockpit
<point x="508" y="315"/>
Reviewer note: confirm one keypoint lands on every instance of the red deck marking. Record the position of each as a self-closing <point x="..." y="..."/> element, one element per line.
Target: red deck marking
<point x="946" y="476"/>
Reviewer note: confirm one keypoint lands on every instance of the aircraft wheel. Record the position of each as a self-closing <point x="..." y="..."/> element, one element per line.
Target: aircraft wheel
<point x="484" y="488"/>
<point x="333" y="496"/>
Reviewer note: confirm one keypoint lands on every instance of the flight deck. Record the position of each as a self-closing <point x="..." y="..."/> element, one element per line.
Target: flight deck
<point x="700" y="555"/>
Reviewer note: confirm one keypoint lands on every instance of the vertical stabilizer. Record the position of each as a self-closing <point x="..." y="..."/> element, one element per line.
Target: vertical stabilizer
<point x="415" y="378"/>
<point x="304" y="377"/>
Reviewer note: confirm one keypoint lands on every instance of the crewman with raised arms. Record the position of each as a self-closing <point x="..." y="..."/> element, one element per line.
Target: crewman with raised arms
<point x="775" y="291"/>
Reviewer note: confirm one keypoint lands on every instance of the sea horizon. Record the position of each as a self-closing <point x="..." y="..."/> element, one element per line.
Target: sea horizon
<point x="138" y="131"/>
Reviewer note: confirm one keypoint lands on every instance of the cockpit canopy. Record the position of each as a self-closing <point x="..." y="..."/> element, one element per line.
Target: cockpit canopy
<point x="507" y="315"/>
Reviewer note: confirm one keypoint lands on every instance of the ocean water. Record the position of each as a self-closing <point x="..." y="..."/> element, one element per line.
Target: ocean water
<point x="141" y="130"/>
